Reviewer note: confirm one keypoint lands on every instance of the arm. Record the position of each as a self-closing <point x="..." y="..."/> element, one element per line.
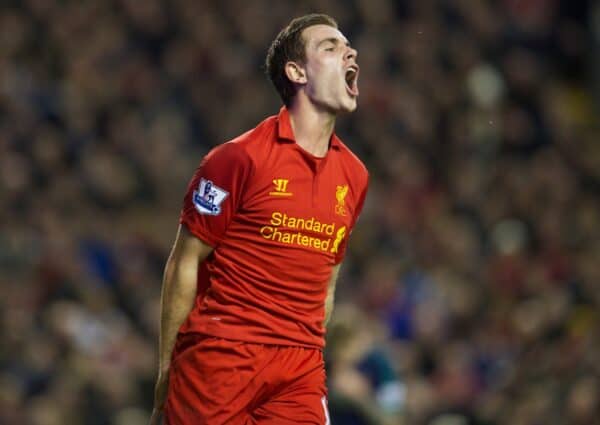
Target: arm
<point x="177" y="299"/>
<point x="329" y="300"/>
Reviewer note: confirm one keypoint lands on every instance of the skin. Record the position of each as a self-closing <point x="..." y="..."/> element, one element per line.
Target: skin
<point x="329" y="300"/>
<point x="321" y="87"/>
<point x="321" y="95"/>
<point x="177" y="299"/>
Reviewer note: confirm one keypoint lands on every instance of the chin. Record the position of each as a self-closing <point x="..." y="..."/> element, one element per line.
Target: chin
<point x="342" y="106"/>
<point x="348" y="107"/>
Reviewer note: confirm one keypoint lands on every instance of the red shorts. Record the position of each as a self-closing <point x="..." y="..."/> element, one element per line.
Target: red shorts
<point x="215" y="381"/>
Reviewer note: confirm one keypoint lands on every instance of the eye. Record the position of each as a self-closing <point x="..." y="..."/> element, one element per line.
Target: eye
<point x="329" y="49"/>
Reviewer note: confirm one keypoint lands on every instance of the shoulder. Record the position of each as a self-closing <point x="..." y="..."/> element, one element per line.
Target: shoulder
<point x="242" y="149"/>
<point x="353" y="163"/>
<point x="227" y="154"/>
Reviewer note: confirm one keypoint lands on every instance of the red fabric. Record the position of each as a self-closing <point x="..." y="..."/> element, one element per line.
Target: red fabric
<point x="281" y="227"/>
<point x="216" y="381"/>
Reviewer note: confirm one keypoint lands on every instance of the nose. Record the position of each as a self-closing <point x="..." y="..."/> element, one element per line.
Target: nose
<point x="351" y="53"/>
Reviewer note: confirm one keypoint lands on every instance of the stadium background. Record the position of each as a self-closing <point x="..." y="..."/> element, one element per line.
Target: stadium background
<point x="470" y="293"/>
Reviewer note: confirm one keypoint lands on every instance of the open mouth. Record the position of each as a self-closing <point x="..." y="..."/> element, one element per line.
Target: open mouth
<point x="351" y="78"/>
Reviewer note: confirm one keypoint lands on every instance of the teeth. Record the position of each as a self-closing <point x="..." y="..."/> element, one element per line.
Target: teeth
<point x="350" y="74"/>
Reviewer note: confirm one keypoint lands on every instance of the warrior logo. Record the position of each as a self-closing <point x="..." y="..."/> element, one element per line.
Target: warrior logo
<point x="280" y="188"/>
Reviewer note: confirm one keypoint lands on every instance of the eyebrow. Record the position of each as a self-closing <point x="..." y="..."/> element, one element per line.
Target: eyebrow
<point x="333" y="40"/>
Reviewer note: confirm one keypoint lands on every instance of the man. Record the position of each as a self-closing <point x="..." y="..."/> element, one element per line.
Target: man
<point x="249" y="284"/>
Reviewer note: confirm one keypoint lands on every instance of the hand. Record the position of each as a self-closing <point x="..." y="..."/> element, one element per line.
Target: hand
<point x="156" y="417"/>
<point x="160" y="396"/>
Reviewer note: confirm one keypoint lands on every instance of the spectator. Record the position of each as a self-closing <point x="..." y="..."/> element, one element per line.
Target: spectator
<point x="474" y="264"/>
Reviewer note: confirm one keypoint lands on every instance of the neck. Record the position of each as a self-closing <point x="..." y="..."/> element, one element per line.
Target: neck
<point x="312" y="127"/>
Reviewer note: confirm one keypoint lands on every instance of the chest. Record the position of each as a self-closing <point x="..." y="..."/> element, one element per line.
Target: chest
<point x="299" y="203"/>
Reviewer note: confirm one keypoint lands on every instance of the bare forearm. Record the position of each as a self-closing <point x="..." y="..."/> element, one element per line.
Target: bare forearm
<point x="177" y="300"/>
<point x="329" y="300"/>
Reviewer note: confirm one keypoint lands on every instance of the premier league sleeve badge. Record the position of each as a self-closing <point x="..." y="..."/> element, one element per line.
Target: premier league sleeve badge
<point x="207" y="198"/>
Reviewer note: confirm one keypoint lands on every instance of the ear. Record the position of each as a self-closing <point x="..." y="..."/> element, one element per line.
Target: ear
<point x="295" y="73"/>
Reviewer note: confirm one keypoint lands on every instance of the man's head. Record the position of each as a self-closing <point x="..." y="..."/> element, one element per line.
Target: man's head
<point x="312" y="54"/>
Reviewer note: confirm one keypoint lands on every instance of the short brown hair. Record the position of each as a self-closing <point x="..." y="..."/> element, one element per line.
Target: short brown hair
<point x="289" y="45"/>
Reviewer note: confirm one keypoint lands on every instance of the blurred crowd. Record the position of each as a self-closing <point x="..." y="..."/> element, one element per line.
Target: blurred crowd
<point x="470" y="294"/>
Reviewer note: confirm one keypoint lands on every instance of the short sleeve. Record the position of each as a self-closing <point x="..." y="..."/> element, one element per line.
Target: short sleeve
<point x="344" y="244"/>
<point x="215" y="192"/>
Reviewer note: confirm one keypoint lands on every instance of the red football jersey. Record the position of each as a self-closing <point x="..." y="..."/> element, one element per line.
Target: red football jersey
<point x="278" y="219"/>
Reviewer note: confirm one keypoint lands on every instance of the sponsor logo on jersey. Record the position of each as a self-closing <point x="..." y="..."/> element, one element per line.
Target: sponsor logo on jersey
<point x="207" y="198"/>
<point x="340" y="195"/>
<point x="308" y="232"/>
<point x="339" y="237"/>
<point x="280" y="188"/>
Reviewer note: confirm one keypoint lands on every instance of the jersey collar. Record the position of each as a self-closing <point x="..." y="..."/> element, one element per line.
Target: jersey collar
<point x="285" y="132"/>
